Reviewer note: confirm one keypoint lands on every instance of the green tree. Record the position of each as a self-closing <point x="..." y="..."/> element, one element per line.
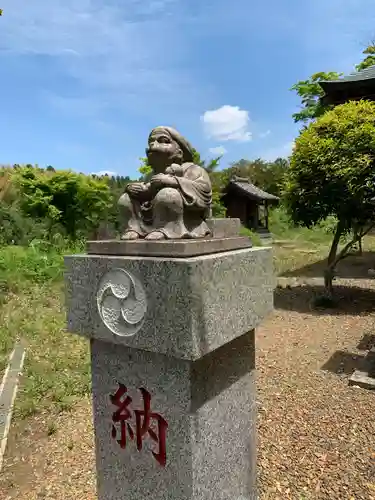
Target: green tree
<point x="117" y="187"/>
<point x="332" y="173"/>
<point x="310" y="93"/>
<point x="145" y="170"/>
<point x="369" y="60"/>
<point x="209" y="165"/>
<point x="219" y="179"/>
<point x="75" y="201"/>
<point x="268" y="176"/>
<point x="310" y="90"/>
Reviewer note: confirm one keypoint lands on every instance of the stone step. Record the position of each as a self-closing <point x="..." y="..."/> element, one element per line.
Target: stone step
<point x="365" y="377"/>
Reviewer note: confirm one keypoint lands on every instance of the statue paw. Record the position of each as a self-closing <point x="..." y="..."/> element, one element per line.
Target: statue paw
<point x="155" y="235"/>
<point x="130" y="235"/>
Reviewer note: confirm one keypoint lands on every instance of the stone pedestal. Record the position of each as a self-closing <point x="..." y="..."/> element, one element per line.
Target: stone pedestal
<point x="172" y="349"/>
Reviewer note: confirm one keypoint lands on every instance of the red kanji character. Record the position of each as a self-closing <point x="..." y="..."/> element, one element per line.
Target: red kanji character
<point x="121" y="415"/>
<point x="144" y="427"/>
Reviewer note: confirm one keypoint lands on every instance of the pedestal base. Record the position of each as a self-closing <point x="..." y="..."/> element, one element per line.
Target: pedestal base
<point x="208" y="406"/>
<point x="172" y="370"/>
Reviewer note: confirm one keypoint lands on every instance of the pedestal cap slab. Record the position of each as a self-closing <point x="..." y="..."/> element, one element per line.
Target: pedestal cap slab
<point x="181" y="307"/>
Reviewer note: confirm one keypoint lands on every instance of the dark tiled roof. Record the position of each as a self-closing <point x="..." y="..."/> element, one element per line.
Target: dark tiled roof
<point x="358" y="76"/>
<point x="250" y="190"/>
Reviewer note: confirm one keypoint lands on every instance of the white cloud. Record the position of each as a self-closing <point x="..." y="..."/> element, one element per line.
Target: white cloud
<point x="104" y="172"/>
<point x="218" y="150"/>
<point x="228" y="123"/>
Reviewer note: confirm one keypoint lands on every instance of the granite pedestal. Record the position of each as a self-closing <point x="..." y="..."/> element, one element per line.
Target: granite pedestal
<point x="172" y="350"/>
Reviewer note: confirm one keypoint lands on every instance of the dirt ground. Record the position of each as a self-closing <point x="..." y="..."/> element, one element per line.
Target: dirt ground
<point x="316" y="434"/>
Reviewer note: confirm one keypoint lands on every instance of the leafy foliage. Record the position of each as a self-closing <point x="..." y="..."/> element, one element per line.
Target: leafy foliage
<point x="369" y="60"/>
<point x="210" y="165"/>
<point x="269" y="176"/>
<point x="332" y="174"/>
<point x="145" y="170"/>
<point x="18" y="229"/>
<point x="75" y="201"/>
<point x="117" y="186"/>
<point x="310" y="93"/>
<point x="254" y="237"/>
<point x="332" y="167"/>
<point x="310" y="90"/>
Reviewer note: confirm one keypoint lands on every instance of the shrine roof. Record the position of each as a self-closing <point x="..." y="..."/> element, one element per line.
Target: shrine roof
<point x="366" y="75"/>
<point x="248" y="189"/>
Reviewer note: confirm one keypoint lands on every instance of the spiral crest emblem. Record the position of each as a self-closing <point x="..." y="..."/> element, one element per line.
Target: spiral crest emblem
<point x="121" y="302"/>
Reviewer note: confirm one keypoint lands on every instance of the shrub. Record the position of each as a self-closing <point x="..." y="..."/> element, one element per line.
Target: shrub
<point x="332" y="174"/>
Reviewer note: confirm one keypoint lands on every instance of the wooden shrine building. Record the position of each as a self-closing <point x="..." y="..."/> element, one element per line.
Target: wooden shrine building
<point x="248" y="203"/>
<point x="353" y="87"/>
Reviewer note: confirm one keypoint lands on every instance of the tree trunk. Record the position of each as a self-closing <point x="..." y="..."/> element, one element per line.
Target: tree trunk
<point x="333" y="258"/>
<point x="328" y="282"/>
<point x="358" y="237"/>
<point x="360" y="249"/>
<point x="329" y="273"/>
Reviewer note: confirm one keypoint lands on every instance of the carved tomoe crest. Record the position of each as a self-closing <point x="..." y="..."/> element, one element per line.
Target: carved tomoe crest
<point x="122" y="302"/>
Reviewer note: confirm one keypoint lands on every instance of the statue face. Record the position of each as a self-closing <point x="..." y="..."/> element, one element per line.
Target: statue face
<point x="162" y="150"/>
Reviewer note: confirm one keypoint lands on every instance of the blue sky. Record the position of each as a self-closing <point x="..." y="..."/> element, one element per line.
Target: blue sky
<point x="84" y="81"/>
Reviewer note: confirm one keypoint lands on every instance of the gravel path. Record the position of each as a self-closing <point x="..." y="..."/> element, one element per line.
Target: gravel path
<point x="316" y="434"/>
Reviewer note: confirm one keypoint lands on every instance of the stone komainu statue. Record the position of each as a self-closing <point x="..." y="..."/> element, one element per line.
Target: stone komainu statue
<point x="176" y="201"/>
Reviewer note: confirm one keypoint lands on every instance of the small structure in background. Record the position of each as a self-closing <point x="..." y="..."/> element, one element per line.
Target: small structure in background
<point x="248" y="203"/>
<point x="353" y="87"/>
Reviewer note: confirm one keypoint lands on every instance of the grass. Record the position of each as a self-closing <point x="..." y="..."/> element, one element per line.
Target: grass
<point x="57" y="367"/>
<point x="297" y="247"/>
<point x="282" y="229"/>
<point x="254" y="237"/>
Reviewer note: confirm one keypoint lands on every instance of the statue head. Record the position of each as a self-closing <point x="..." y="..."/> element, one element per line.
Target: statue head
<point x="167" y="146"/>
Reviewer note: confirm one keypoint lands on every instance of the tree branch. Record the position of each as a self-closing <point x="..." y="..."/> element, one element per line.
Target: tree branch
<point x="344" y="252"/>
